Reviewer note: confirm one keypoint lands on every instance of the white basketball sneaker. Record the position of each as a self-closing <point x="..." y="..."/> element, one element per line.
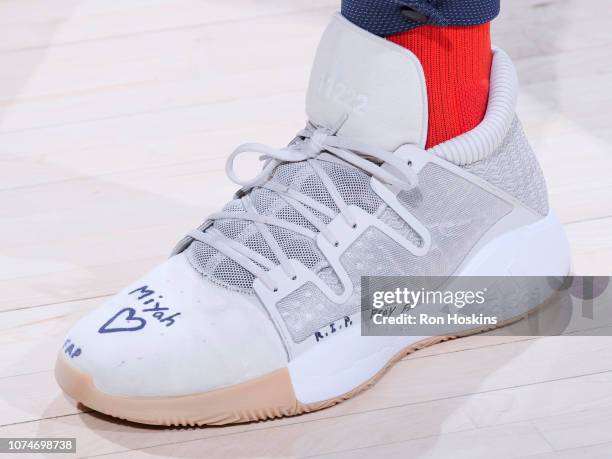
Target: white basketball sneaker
<point x="256" y="315"/>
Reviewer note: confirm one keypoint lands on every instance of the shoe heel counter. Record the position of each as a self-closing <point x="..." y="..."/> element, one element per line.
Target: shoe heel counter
<point x="514" y="168"/>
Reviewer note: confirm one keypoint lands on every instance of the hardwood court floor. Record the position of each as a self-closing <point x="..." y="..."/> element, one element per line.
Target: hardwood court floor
<point x="115" y="119"/>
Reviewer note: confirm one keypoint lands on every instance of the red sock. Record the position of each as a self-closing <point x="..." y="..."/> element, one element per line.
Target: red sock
<point x="457" y="64"/>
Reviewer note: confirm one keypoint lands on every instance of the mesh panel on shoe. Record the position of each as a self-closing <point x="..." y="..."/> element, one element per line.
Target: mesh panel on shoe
<point x="392" y="219"/>
<point x="456" y="212"/>
<point x="352" y="184"/>
<point x="514" y="168"/>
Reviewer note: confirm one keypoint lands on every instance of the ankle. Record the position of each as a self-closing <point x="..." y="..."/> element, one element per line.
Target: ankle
<point x="457" y="66"/>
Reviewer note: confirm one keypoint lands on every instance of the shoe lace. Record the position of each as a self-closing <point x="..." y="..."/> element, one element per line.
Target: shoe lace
<point x="308" y="145"/>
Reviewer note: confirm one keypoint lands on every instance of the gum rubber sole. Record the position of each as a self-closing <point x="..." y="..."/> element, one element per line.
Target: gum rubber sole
<point x="267" y="397"/>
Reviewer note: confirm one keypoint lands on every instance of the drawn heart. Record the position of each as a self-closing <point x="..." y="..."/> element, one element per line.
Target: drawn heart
<point x="130" y="322"/>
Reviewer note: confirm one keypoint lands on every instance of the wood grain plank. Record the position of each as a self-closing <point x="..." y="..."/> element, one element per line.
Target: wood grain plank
<point x="591" y="246"/>
<point x="30" y="24"/>
<point x="30" y="338"/>
<point x="601" y="451"/>
<point x="500" y="442"/>
<point x="578" y="429"/>
<point x="210" y="49"/>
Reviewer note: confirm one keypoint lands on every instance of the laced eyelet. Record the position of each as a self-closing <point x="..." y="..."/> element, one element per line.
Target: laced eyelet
<point x="275" y="290"/>
<point x="354" y="226"/>
<point x="336" y="244"/>
<point x="294" y="278"/>
<point x="409" y="163"/>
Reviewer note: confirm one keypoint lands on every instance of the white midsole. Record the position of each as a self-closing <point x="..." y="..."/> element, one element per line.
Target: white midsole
<point x="337" y="366"/>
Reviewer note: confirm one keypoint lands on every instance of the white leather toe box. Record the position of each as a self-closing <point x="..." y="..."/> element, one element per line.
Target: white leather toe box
<point x="174" y="333"/>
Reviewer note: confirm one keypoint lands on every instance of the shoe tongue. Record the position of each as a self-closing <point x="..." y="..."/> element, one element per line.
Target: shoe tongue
<point x="376" y="87"/>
